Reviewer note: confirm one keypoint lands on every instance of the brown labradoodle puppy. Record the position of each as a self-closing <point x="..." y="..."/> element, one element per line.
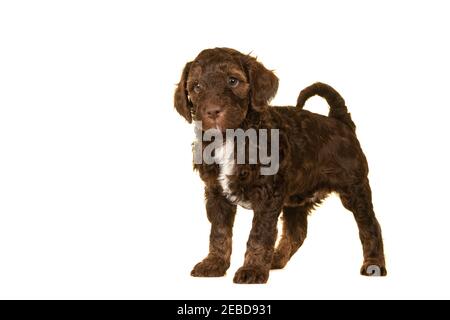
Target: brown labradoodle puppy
<point x="225" y="89"/>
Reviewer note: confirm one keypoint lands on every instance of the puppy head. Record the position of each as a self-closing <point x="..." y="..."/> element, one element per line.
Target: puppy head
<point x="221" y="86"/>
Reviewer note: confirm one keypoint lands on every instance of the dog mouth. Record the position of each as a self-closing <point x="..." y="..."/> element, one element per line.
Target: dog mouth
<point x="223" y="121"/>
<point x="215" y="124"/>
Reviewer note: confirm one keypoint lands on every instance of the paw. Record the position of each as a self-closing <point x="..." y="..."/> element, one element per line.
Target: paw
<point x="279" y="260"/>
<point x="251" y="274"/>
<point x="210" y="267"/>
<point x="373" y="269"/>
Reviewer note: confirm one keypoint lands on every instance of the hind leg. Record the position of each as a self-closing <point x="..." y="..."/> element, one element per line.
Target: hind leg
<point x="295" y="226"/>
<point x="358" y="199"/>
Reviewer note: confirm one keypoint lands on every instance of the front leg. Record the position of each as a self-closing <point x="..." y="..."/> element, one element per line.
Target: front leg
<point x="260" y="246"/>
<point x="221" y="214"/>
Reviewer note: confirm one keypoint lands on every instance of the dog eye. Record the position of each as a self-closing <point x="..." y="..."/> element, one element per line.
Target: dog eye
<point x="233" y="82"/>
<point x="197" y="88"/>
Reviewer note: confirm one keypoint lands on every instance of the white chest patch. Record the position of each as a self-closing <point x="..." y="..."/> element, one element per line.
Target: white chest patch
<point x="224" y="157"/>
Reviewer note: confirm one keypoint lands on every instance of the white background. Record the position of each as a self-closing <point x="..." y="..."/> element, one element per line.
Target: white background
<point x="97" y="195"/>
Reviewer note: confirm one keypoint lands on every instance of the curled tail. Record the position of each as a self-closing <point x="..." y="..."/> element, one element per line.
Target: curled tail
<point x="338" y="110"/>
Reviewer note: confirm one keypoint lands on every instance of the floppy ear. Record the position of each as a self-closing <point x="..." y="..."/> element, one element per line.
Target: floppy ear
<point x="181" y="101"/>
<point x="263" y="85"/>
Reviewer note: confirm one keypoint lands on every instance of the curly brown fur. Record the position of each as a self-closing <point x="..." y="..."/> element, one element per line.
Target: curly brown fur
<point x="318" y="155"/>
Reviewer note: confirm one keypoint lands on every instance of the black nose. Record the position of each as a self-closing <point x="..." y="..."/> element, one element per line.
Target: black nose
<point x="213" y="111"/>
